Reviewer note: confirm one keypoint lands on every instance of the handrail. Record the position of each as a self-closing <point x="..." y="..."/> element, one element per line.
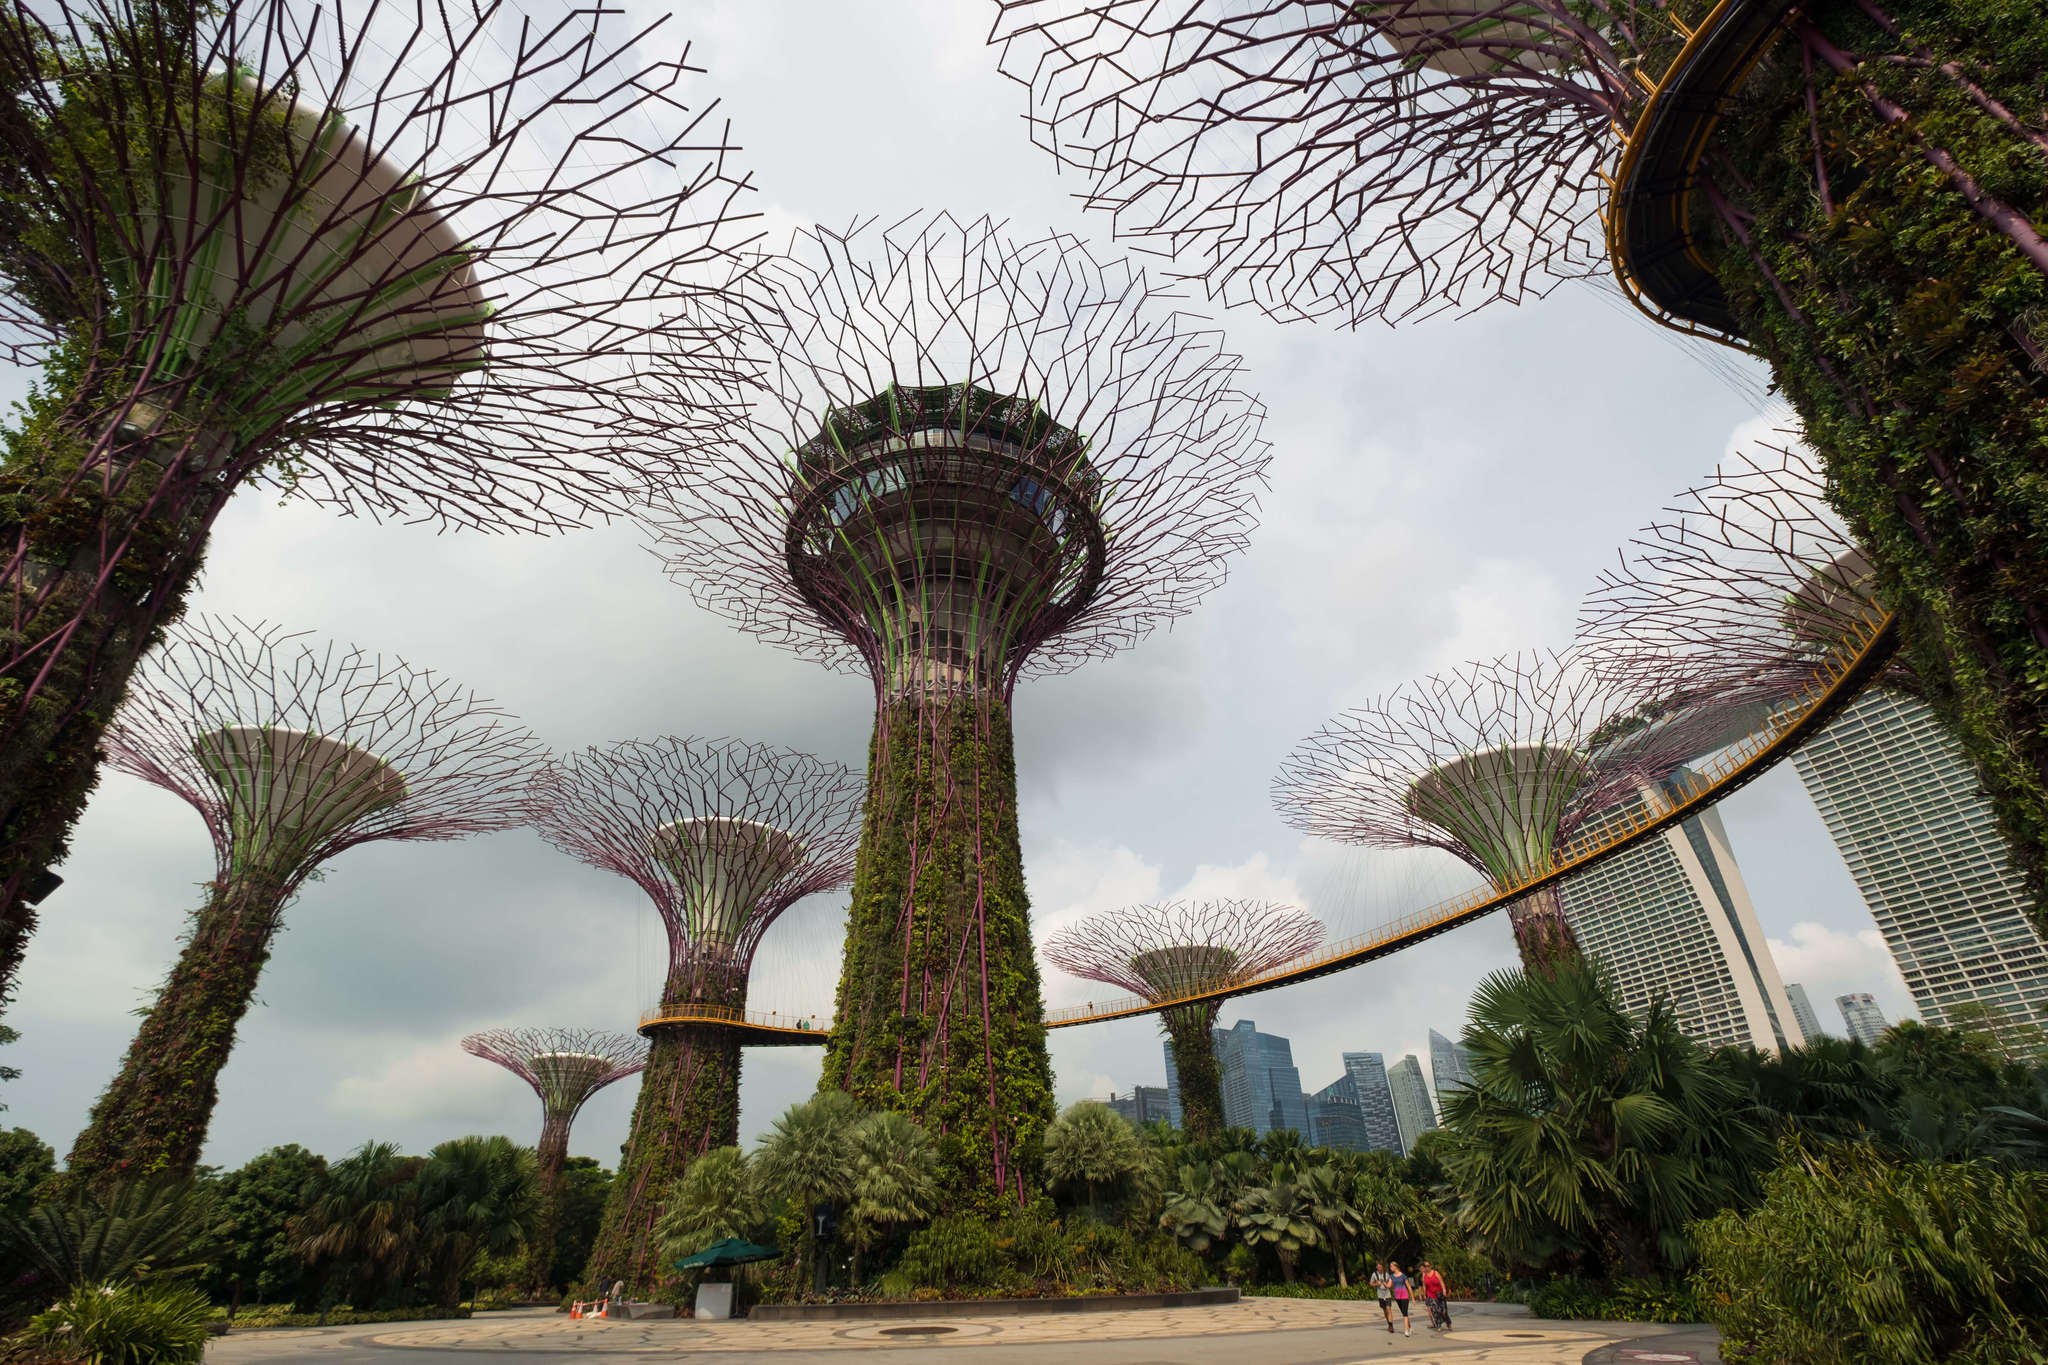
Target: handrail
<point x="1837" y="682"/>
<point x="695" y="1012"/>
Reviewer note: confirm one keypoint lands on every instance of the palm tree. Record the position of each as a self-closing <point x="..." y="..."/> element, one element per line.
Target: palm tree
<point x="897" y="1180"/>
<point x="1327" y="1197"/>
<point x="716" y="1198"/>
<point x="809" y="1158"/>
<point x="1589" y="1130"/>
<point x="1091" y="1145"/>
<point x="477" y="1195"/>
<point x="119" y="1232"/>
<point x="1279" y="1214"/>
<point x="1283" y="1146"/>
<point x="366" y="1220"/>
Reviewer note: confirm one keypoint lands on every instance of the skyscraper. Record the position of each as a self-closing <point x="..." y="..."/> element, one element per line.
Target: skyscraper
<point x="1142" y="1105"/>
<point x="1923" y="847"/>
<point x="1412" y="1109"/>
<point x="1802" y="1010"/>
<point x="1368" y="1073"/>
<point x="1672" y="918"/>
<point x="1450" y="1066"/>
<point x="1865" y="1020"/>
<point x="1335" y="1116"/>
<point x="1261" y="1088"/>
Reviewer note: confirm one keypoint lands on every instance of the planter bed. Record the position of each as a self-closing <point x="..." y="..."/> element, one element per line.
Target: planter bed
<point x="974" y="1308"/>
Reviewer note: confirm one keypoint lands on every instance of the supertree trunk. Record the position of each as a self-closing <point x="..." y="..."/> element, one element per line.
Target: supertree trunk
<point x="1881" y="198"/>
<point x="1542" y="932"/>
<point x="939" y="1013"/>
<point x="58" y="525"/>
<point x="689" y="1103"/>
<point x="1190" y="1028"/>
<point x="152" y="1119"/>
<point x="551" y="1153"/>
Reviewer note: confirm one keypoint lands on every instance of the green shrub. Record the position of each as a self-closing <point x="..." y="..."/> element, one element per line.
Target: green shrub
<point x="128" y="1324"/>
<point x="1037" y="1246"/>
<point x="282" y="1316"/>
<point x="1616" y="1300"/>
<point x="956" y="1252"/>
<point x="1309" y="1291"/>
<point x="1854" y="1257"/>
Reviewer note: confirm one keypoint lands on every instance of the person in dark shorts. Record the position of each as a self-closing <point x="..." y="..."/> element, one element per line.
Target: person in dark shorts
<point x="1383" y="1288"/>
<point x="1438" y="1296"/>
<point x="1402" y="1293"/>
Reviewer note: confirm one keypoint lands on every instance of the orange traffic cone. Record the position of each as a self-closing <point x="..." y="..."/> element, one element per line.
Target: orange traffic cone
<point x="576" y="1310"/>
<point x="604" y="1310"/>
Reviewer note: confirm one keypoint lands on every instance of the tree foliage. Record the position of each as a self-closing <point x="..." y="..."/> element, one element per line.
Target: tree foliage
<point x="1590" y="1135"/>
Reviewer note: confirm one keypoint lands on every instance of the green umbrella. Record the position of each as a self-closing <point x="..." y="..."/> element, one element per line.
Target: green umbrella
<point x="731" y="1251"/>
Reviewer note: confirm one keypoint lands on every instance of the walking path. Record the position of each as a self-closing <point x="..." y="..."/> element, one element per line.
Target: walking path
<point x="1312" y="1332"/>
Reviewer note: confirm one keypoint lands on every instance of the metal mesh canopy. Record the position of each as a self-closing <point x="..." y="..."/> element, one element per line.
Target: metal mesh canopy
<point x="722" y="835"/>
<point x="1497" y="763"/>
<point x="565" y="1067"/>
<point x="976" y="457"/>
<point x="293" y="751"/>
<point x="726" y="867"/>
<point x="1365" y="161"/>
<point x="1178" y="948"/>
<point x="1749" y="580"/>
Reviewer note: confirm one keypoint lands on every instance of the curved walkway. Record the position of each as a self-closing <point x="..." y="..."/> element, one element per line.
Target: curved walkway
<point x="1310" y="1332"/>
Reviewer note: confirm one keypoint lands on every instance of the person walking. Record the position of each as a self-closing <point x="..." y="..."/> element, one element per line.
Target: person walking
<point x="1439" y="1298"/>
<point x="1401" y="1296"/>
<point x="1383" y="1288"/>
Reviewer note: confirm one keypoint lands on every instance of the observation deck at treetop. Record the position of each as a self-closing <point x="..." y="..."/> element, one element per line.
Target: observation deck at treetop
<point x="1838" y="680"/>
<point x="1651" y="215"/>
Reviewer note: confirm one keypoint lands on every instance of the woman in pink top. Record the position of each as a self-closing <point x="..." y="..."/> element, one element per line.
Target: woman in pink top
<point x="1401" y="1293"/>
<point x="1439" y="1298"/>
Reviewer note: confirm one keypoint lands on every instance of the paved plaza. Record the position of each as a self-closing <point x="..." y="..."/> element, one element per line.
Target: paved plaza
<point x="1255" y="1330"/>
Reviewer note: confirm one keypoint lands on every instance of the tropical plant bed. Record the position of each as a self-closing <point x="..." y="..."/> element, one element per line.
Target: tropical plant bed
<point x="974" y="1308"/>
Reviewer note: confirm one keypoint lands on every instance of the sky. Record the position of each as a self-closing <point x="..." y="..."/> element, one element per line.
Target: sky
<point x="1439" y="493"/>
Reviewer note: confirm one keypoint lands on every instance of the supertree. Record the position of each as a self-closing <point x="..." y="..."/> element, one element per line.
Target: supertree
<point x="1750" y="578"/>
<point x="1500" y="764"/>
<point x="723" y="836"/>
<point x="980" y="458"/>
<point x="565" y="1067"/>
<point x="397" y="257"/>
<point x="1855" y="190"/>
<point x="292" y="753"/>
<point x="1166" y="952"/>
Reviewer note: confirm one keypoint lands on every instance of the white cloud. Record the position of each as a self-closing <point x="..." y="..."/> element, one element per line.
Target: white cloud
<point x="1830" y="962"/>
<point x="434" y="1078"/>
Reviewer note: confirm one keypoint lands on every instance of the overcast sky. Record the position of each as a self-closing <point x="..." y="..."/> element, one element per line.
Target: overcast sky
<point x="1439" y="493"/>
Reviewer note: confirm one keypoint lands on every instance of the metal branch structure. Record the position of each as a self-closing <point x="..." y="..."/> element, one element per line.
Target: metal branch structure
<point x="1379" y="160"/>
<point x="979" y="458"/>
<point x="565" y="1067"/>
<point x="1169" y="951"/>
<point x="292" y="752"/>
<point x="723" y="836"/>
<point x="399" y="258"/>
<point x="1500" y="764"/>
<point x="1791" y="179"/>
<point x="1750" y="580"/>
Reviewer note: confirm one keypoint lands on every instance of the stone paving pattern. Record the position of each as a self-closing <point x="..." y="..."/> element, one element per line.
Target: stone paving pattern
<point x="1485" y="1334"/>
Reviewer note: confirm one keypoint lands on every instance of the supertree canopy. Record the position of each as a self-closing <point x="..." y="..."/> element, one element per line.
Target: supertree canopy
<point x="979" y="458"/>
<point x="1855" y="190"/>
<point x="292" y="753"/>
<point x="1499" y="764"/>
<point x="1168" y="952"/>
<point x="565" y="1067"/>
<point x="395" y="257"/>
<point x="1750" y="579"/>
<point x="723" y="837"/>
